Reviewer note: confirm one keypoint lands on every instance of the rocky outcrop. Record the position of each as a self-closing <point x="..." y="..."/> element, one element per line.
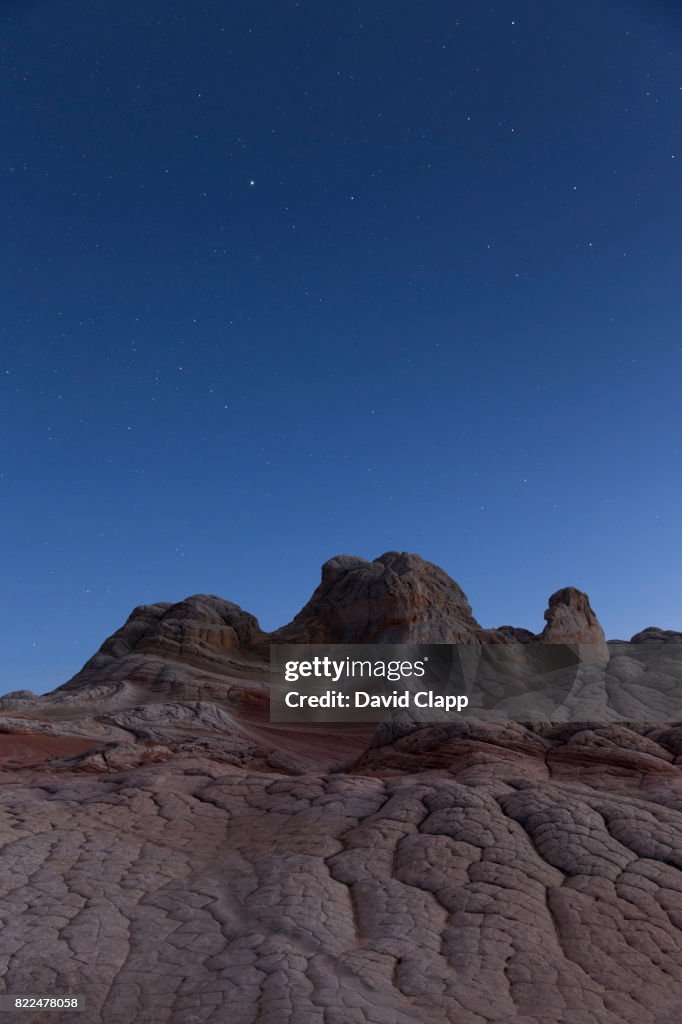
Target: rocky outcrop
<point x="202" y="646"/>
<point x="201" y="631"/>
<point x="173" y="856"/>
<point x="397" y="598"/>
<point x="205" y="652"/>
<point x="571" y="620"/>
<point x="515" y="634"/>
<point x="401" y="598"/>
<point x="654" y="635"/>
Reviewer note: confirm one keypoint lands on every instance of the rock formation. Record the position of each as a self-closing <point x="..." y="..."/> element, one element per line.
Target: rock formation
<point x="398" y="598"/>
<point x="172" y="855"/>
<point x="570" y="620"/>
<point x="654" y="635"/>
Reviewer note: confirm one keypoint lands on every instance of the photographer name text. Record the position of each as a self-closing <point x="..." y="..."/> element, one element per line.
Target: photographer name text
<point x="359" y="699"/>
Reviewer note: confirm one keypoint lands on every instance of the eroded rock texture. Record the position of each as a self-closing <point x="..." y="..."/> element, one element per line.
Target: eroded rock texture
<point x="397" y="598"/>
<point x="501" y="888"/>
<point x="172" y="855"/>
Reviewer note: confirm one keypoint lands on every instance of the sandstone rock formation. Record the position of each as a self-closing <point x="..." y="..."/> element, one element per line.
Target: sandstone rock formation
<point x="191" y="649"/>
<point x="570" y="620"/>
<point x="398" y="598"/>
<point x="445" y="878"/>
<point x="201" y="635"/>
<point x="169" y="853"/>
<point x="654" y="635"/>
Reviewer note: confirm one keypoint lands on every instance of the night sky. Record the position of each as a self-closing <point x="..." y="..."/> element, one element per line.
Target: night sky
<point x="286" y="280"/>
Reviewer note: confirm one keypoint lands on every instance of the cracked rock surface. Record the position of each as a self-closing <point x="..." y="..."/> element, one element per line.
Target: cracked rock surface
<point x="503" y="888"/>
<point x="175" y="858"/>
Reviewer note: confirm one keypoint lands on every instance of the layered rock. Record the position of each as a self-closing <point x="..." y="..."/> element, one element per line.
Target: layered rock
<point x="397" y="598"/>
<point x="171" y="855"/>
<point x="570" y="620"/>
<point x="654" y="635"/>
<point x="202" y="631"/>
<point x="209" y="652"/>
<point x="204" y="645"/>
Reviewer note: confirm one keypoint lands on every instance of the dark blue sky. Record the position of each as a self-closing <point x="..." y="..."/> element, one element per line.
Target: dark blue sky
<point x="284" y="280"/>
